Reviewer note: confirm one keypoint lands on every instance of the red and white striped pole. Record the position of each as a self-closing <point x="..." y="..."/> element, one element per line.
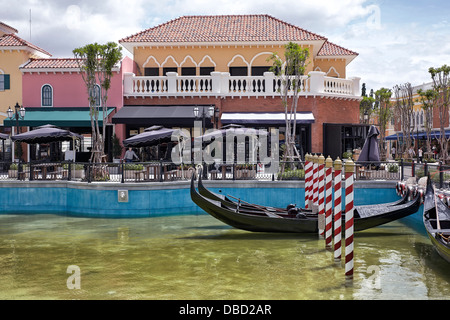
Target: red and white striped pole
<point x="328" y="202"/>
<point x="337" y="209"/>
<point x="321" y="195"/>
<point x="308" y="179"/>
<point x="349" y="207"/>
<point x="315" y="193"/>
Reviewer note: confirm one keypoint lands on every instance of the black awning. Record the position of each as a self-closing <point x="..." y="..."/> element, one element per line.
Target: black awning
<point x="168" y="116"/>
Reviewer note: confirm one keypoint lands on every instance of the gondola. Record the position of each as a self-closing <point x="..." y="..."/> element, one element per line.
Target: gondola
<point x="436" y="219"/>
<point x="258" y="218"/>
<point x="233" y="202"/>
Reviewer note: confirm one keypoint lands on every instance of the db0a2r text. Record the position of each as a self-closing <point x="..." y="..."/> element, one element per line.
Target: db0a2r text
<point x="243" y="309"/>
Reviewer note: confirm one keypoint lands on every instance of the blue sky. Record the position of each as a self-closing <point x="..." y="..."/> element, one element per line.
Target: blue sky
<point x="397" y="40"/>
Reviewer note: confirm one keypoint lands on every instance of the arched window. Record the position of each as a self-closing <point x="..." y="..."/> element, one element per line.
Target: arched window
<point x="47" y="96"/>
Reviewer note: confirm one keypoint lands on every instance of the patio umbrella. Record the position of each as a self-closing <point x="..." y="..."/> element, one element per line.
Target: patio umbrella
<point x="46" y="134"/>
<point x="153" y="136"/>
<point x="231" y="131"/>
<point x="4" y="136"/>
<point x="370" y="151"/>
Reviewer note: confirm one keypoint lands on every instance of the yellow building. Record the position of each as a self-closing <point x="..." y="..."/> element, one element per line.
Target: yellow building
<point x="14" y="52"/>
<point x="222" y="63"/>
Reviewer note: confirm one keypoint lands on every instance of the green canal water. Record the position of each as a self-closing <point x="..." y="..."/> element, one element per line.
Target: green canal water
<point x="198" y="257"/>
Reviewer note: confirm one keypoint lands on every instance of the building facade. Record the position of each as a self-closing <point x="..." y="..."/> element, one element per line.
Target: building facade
<point x="14" y="52"/>
<point x="54" y="93"/>
<point x="223" y="62"/>
<point x="418" y="125"/>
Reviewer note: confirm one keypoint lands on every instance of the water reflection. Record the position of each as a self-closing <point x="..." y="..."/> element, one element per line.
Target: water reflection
<point x="197" y="257"/>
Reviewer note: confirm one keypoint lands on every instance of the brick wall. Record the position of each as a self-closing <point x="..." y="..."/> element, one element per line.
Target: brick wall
<point x="325" y="110"/>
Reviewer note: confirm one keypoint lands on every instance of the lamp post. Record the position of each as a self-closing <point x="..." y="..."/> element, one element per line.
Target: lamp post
<point x="202" y="114"/>
<point x="18" y="113"/>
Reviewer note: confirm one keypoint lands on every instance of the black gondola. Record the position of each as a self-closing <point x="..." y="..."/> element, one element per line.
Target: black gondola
<point x="251" y="217"/>
<point x="436" y="218"/>
<point x="235" y="202"/>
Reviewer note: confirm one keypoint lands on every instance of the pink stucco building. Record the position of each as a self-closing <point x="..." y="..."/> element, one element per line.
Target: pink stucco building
<point x="55" y="93"/>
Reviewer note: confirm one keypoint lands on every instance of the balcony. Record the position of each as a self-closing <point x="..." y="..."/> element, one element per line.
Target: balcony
<point x="221" y="84"/>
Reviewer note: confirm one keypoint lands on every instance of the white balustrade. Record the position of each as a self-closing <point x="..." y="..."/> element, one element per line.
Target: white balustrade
<point x="221" y="83"/>
<point x="338" y="86"/>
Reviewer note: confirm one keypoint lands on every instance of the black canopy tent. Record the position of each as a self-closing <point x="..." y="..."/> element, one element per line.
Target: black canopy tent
<point x="236" y="134"/>
<point x="46" y="134"/>
<point x="155" y="136"/>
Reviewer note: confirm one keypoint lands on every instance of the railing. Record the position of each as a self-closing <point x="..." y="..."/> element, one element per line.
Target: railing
<point x="221" y="83"/>
<point x="161" y="171"/>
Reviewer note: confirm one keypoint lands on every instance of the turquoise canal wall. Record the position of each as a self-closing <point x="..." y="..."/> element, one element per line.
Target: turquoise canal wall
<point x="101" y="200"/>
<point x="152" y="199"/>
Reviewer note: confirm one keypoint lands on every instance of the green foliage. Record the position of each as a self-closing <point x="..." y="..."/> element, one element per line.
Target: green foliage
<point x="294" y="174"/>
<point x="96" y="63"/>
<point x="116" y="147"/>
<point x="137" y="167"/>
<point x="393" y="167"/>
<point x="347" y="155"/>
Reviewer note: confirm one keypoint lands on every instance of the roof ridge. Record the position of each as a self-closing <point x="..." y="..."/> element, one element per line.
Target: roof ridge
<point x="336" y="45"/>
<point x="24" y="42"/>
<point x="307" y="33"/>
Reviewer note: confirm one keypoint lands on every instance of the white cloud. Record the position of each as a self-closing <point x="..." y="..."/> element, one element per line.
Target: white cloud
<point x="395" y="45"/>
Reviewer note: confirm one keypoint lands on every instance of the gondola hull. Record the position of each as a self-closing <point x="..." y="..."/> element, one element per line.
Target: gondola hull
<point x="263" y="219"/>
<point x="436" y="219"/>
<point x="442" y="249"/>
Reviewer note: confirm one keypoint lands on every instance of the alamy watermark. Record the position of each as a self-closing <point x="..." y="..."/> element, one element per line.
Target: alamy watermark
<point x="231" y="146"/>
<point x="74" y="280"/>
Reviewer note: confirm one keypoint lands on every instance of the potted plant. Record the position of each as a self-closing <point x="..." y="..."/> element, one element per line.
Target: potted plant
<point x="12" y="172"/>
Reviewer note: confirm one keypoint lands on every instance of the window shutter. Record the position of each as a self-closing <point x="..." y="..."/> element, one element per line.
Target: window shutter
<point x="7" y="81"/>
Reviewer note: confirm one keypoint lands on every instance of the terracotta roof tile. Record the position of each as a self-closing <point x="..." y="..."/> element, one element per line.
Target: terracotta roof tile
<point x="11" y="40"/>
<point x="4" y="25"/>
<point x="331" y="49"/>
<point x="224" y="28"/>
<point x="52" y="63"/>
<point x="58" y="64"/>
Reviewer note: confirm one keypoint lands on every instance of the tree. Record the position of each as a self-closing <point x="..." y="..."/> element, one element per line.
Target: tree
<point x="382" y="97"/>
<point x="441" y="85"/>
<point x="96" y="63"/>
<point x="291" y="74"/>
<point x="366" y="107"/>
<point x="428" y="101"/>
<point x="404" y="111"/>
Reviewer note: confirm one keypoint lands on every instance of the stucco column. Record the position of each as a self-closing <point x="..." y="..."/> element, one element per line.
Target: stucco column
<point x="356" y="81"/>
<point x="269" y="77"/>
<point x="225" y="83"/>
<point x="316" y="81"/>
<point x="128" y="82"/>
<point x="216" y="79"/>
<point x="172" y="82"/>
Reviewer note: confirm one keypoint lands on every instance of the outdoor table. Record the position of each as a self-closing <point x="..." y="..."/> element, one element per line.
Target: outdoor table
<point x="44" y="169"/>
<point x="153" y="168"/>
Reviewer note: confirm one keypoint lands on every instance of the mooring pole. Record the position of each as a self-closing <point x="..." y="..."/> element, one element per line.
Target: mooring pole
<point x="349" y="207"/>
<point x="315" y="183"/>
<point x="328" y="202"/>
<point x="321" y="195"/>
<point x="337" y="209"/>
<point x="308" y="179"/>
